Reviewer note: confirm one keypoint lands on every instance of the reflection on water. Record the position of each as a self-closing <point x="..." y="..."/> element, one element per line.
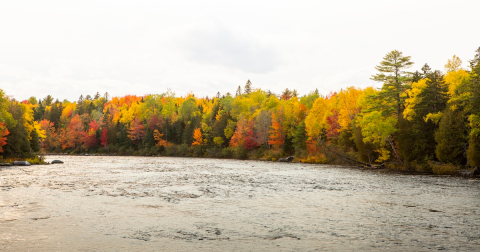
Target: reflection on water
<point x="186" y="204"/>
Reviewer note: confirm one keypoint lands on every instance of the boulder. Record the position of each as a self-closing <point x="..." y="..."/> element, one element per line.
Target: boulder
<point x="470" y="173"/>
<point x="286" y="159"/>
<point x="476" y="171"/>
<point x="56" y="161"/>
<point x="21" y="163"/>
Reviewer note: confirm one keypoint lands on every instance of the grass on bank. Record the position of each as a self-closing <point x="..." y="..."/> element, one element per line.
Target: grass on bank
<point x="443" y="169"/>
<point x="34" y="160"/>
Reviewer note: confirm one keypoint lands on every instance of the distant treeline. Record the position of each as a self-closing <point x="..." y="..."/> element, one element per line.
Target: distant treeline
<point x="418" y="120"/>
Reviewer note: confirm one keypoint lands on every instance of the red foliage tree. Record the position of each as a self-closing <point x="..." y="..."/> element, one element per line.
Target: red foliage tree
<point x="153" y="122"/>
<point x="104" y="138"/>
<point x="251" y="137"/>
<point x="136" y="132"/>
<point x="74" y="134"/>
<point x="90" y="137"/>
<point x="334" y="127"/>
<point x="3" y="133"/>
<point x="330" y="95"/>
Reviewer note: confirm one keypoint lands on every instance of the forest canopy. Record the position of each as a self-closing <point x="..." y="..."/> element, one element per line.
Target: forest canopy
<point x="415" y="120"/>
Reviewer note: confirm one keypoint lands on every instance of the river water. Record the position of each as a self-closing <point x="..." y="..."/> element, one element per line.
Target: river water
<point x="99" y="203"/>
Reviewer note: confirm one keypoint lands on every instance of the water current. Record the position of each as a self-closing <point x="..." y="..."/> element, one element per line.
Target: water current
<point x="102" y="203"/>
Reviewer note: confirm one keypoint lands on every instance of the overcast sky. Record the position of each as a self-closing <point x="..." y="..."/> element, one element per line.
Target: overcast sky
<point x="67" y="48"/>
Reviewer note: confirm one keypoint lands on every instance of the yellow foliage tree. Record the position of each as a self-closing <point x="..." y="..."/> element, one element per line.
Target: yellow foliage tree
<point x="316" y="125"/>
<point x="42" y="134"/>
<point x="28" y="119"/>
<point x="315" y="122"/>
<point x="349" y="107"/>
<point x="67" y="112"/>
<point x="129" y="113"/>
<point x="455" y="81"/>
<point x="453" y="64"/>
<point x="413" y="98"/>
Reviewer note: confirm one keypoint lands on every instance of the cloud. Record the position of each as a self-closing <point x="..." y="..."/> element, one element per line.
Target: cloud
<point x="60" y="71"/>
<point x="213" y="42"/>
<point x="351" y="77"/>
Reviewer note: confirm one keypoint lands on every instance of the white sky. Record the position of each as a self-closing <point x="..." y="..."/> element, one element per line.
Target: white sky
<point x="67" y="48"/>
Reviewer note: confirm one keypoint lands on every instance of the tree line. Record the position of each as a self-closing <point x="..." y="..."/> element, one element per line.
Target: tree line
<point x="417" y="120"/>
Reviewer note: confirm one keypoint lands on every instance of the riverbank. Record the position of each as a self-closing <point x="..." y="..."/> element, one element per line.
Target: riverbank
<point x="35" y="160"/>
<point x="441" y="169"/>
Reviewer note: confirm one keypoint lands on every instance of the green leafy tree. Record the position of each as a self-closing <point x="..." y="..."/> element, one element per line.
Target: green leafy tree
<point x="366" y="150"/>
<point x="309" y="99"/>
<point x="379" y="130"/>
<point x="18" y="143"/>
<point x="451" y="137"/>
<point x="5" y="116"/>
<point x="473" y="152"/>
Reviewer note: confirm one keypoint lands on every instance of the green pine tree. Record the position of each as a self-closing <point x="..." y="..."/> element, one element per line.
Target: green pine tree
<point x="395" y="81"/>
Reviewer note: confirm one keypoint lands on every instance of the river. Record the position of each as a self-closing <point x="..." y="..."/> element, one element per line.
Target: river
<point x="103" y="203"/>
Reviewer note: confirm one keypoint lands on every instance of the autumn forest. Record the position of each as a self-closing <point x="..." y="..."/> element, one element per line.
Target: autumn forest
<point x="423" y="120"/>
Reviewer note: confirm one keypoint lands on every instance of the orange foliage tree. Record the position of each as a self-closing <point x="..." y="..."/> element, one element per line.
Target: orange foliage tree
<point x="238" y="138"/>
<point x="197" y="136"/>
<point x="277" y="137"/>
<point x="159" y="138"/>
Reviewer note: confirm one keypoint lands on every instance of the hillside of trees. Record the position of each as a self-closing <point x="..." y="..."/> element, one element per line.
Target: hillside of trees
<point x="424" y="120"/>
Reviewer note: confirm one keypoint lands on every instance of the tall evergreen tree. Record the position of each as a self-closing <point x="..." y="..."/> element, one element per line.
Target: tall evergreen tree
<point x="80" y="108"/>
<point x="248" y="87"/>
<point x="48" y="100"/>
<point x="395" y="81"/>
<point x="416" y="134"/>
<point x="239" y="91"/>
<point x="300" y="138"/>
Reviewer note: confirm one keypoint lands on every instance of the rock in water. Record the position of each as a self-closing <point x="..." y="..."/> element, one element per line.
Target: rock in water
<point x="21" y="163"/>
<point x="56" y="161"/>
<point x="286" y="159"/>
